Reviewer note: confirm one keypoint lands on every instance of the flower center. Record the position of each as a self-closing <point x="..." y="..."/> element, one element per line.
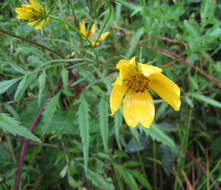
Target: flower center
<point x="138" y="83"/>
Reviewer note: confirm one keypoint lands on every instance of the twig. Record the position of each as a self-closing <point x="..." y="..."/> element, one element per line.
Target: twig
<point x="25" y="141"/>
<point x="38" y="182"/>
<point x="32" y="42"/>
<point x="187" y="180"/>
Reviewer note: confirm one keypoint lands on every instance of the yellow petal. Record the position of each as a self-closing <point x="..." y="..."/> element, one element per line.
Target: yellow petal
<point x="26" y="16"/>
<point x="95" y="42"/>
<point x="129" y="109"/>
<point x="104" y="35"/>
<point x="148" y="70"/>
<point x="32" y="23"/>
<point x="83" y="28"/>
<point x="40" y="26"/>
<point x="127" y="68"/>
<point x="166" y="89"/>
<point x="144" y="108"/>
<point x="116" y="97"/>
<point x="19" y="10"/>
<point x="118" y="81"/>
<point x="36" y="6"/>
<point x="92" y="31"/>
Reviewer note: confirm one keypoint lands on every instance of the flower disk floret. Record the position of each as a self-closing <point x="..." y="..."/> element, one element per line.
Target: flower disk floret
<point x="134" y="82"/>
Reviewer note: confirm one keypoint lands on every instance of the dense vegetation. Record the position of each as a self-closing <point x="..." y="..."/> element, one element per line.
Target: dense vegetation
<point x="55" y="84"/>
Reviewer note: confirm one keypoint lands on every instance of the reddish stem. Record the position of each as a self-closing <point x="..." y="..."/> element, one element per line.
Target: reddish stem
<point x="25" y="141"/>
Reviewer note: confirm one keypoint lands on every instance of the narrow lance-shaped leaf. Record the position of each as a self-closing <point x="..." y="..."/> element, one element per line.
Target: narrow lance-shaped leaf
<point x="205" y="99"/>
<point x="4" y="85"/>
<point x="64" y="76"/>
<point x="117" y="124"/>
<point x="41" y="83"/>
<point x="10" y="125"/>
<point x="103" y="122"/>
<point x="24" y="84"/>
<point x="158" y="134"/>
<point x="128" y="178"/>
<point x="99" y="181"/>
<point x="50" y="110"/>
<point x="83" y="120"/>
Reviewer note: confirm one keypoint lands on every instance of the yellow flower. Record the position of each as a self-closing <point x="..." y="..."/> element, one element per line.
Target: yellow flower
<point x="91" y="33"/>
<point x="134" y="81"/>
<point x="34" y="13"/>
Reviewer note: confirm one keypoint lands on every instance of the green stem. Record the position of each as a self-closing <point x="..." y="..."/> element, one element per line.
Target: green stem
<point x="155" y="164"/>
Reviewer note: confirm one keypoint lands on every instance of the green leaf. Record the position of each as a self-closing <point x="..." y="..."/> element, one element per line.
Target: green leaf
<point x="128" y="178"/>
<point x="99" y="181"/>
<point x="214" y="32"/>
<point x="83" y="120"/>
<point x="9" y="124"/>
<point x="207" y="12"/>
<point x="20" y="87"/>
<point x="158" y="134"/>
<point x="64" y="76"/>
<point x="134" y="41"/>
<point x="4" y="85"/>
<point x="205" y="99"/>
<point x="118" y="119"/>
<point x="141" y="178"/>
<point x="136" y="8"/>
<point x="23" y="85"/>
<point x="50" y="110"/>
<point x="41" y="83"/>
<point x="103" y="122"/>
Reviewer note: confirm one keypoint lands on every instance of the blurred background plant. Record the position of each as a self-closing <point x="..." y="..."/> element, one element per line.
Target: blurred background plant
<point x="74" y="143"/>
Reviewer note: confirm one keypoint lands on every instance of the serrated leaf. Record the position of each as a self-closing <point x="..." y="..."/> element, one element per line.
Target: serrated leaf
<point x="4" y="85"/>
<point x="136" y="8"/>
<point x="41" y="83"/>
<point x="128" y="178"/>
<point x="20" y="87"/>
<point x="9" y="124"/>
<point x="18" y="69"/>
<point x="83" y="120"/>
<point x="103" y="122"/>
<point x="50" y="110"/>
<point x="64" y="76"/>
<point x="117" y="124"/>
<point x="158" y="134"/>
<point x="205" y="99"/>
<point x="141" y="178"/>
<point x="99" y="181"/>
<point x="23" y="85"/>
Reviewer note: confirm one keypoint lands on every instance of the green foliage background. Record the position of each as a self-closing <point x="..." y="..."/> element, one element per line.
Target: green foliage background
<point x="76" y="144"/>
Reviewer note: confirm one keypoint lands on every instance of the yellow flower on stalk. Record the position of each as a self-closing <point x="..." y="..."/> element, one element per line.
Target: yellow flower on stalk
<point x="91" y="33"/>
<point x="34" y="13"/>
<point x="134" y="81"/>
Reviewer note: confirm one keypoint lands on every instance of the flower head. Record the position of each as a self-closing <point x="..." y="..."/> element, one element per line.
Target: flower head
<point x="34" y="13"/>
<point x="134" y="82"/>
<point x="92" y="31"/>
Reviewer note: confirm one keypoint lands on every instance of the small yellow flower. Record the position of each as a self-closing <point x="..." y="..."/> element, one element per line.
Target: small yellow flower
<point x="34" y="13"/>
<point x="134" y="81"/>
<point x="91" y="33"/>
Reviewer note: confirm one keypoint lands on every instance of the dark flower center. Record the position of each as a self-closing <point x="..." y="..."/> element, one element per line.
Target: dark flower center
<point x="138" y="83"/>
